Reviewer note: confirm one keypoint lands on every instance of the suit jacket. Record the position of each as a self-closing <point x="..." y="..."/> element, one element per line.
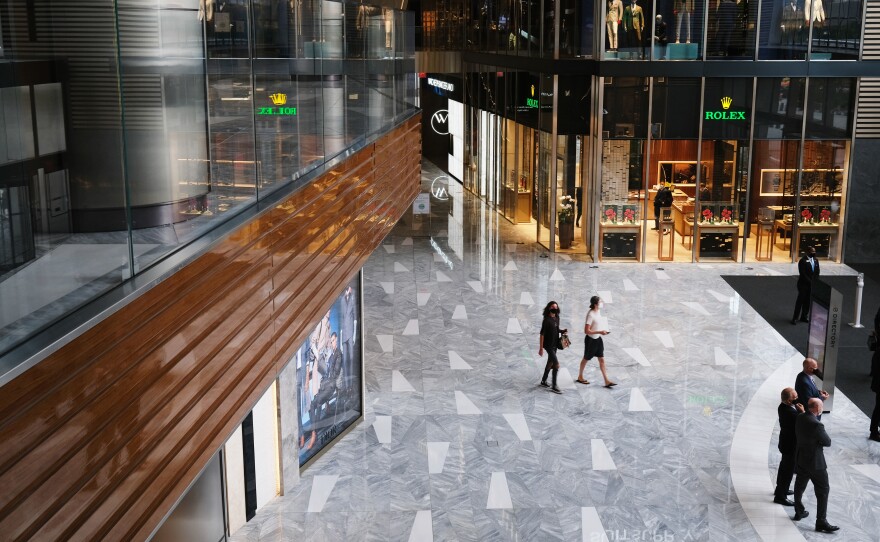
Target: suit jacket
<point x="792" y="16"/>
<point x="811" y="441"/>
<point x="634" y="18"/>
<point x="806" y="273"/>
<point x="805" y="388"/>
<point x="787" y="439"/>
<point x="875" y="371"/>
<point x="615" y="11"/>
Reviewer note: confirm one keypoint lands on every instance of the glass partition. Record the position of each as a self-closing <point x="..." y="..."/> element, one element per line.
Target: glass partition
<point x="114" y="157"/>
<point x="837" y="28"/>
<point x="732" y="27"/>
<point x="678" y="29"/>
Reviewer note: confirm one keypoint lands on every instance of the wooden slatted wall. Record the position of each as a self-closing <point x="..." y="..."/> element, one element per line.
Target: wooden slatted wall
<point x="102" y="438"/>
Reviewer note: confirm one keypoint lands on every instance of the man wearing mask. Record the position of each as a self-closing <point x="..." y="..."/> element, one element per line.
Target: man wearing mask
<point x="808" y="270"/>
<point x="811" y="467"/>
<point x="805" y="387"/>
<point x="788" y="411"/>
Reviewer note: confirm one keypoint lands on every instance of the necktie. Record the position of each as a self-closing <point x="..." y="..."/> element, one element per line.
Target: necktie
<point x="812" y="265"/>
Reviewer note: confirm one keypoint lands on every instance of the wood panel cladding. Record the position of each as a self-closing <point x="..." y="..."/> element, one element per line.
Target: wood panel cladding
<point x="101" y="438"/>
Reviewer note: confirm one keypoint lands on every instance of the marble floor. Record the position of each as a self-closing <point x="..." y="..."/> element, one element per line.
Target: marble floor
<point x="459" y="442"/>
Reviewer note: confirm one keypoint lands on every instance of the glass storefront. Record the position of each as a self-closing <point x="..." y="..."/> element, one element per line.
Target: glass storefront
<point x="679" y="169"/>
<point x="131" y="130"/>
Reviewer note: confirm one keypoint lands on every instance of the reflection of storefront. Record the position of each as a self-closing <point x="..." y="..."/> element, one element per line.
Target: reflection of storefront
<point x="756" y="169"/>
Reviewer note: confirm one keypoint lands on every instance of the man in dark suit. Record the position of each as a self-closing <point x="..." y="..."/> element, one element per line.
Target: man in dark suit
<point x="788" y="412"/>
<point x="808" y="270"/>
<point x="805" y="387"/>
<point x="811" y="467"/>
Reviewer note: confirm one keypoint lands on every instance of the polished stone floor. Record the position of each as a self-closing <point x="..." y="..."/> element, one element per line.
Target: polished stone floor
<point x="460" y="443"/>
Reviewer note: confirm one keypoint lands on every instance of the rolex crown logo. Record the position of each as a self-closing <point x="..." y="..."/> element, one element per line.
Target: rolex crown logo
<point x="533" y="90"/>
<point x="278" y="98"/>
<point x="726" y="101"/>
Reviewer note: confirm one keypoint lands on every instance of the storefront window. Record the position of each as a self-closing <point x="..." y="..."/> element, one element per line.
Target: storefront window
<point x="837" y="28"/>
<point x="672" y="173"/>
<point x="732" y="25"/>
<point x="678" y="29"/>
<point x="576" y="29"/>
<point x="785" y="30"/>
<point x="627" y="29"/>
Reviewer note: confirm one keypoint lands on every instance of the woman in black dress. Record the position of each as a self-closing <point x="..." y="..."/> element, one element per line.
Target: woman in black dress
<point x="550" y="334"/>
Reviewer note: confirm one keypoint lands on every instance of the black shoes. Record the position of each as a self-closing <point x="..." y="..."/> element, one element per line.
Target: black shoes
<point x="556" y="390"/>
<point x="804" y="320"/>
<point x="825" y="527"/>
<point x="544" y="383"/>
<point x="793" y="322"/>
<point x="800" y="515"/>
<point x="875" y="437"/>
<point x="783" y="501"/>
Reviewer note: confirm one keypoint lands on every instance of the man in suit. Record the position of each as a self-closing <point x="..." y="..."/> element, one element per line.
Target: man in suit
<point x="811" y="439"/>
<point x="788" y="412"/>
<point x="808" y="270"/>
<point x="804" y="385"/>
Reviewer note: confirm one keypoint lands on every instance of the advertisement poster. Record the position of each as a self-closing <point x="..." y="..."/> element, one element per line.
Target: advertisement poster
<point x="328" y="374"/>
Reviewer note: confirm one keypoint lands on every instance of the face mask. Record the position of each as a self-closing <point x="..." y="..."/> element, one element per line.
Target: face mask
<point x="601" y="305"/>
<point x="554" y="311"/>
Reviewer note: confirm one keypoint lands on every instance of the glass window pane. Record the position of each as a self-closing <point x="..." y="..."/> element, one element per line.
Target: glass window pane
<point x="785" y="30"/>
<point x="732" y="26"/>
<point x="779" y="107"/>
<point x="837" y="28"/>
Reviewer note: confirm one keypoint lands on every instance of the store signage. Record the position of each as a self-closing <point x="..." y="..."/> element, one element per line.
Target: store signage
<point x="440" y="122"/>
<point x="439" y="188"/>
<point x="279" y="100"/>
<point x="443" y="85"/>
<point x="726" y="114"/>
<point x="532" y="102"/>
<point x="422" y="204"/>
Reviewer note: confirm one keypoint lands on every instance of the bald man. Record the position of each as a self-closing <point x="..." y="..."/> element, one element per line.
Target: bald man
<point x="811" y="467"/>
<point x="805" y="386"/>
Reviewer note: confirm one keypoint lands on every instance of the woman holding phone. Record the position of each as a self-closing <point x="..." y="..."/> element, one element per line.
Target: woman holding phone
<point x="595" y="327"/>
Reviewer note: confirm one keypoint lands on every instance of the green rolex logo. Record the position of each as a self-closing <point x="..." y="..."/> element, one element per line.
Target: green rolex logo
<point x="726" y="114"/>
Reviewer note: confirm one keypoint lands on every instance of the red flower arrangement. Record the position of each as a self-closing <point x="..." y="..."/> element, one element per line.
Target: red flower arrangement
<point x="806" y="215"/>
<point x="726" y="215"/>
<point x="629" y="215"/>
<point x="707" y="215"/>
<point x="825" y="216"/>
<point x="611" y="214"/>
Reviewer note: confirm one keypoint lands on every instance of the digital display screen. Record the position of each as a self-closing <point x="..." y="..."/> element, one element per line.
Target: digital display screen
<point x="818" y="332"/>
<point x="328" y="374"/>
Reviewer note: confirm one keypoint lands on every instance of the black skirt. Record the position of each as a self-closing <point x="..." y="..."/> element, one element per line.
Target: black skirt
<point x="593" y="348"/>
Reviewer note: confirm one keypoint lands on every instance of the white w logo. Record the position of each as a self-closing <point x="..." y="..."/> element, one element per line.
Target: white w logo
<point x="439" y="122"/>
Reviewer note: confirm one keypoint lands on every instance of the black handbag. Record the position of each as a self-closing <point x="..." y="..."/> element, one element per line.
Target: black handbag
<point x="872" y="341"/>
<point x="563" y="342"/>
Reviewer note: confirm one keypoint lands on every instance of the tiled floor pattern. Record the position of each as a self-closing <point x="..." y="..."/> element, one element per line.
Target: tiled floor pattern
<point x="459" y="442"/>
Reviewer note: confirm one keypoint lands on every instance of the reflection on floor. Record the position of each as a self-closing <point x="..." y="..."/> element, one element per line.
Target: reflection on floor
<point x="684" y="448"/>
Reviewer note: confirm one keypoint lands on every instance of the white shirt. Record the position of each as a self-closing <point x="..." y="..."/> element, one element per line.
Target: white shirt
<point x="597" y="322"/>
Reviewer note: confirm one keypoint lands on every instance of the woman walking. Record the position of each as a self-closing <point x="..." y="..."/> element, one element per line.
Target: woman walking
<point x="550" y="334"/>
<point x="595" y="326"/>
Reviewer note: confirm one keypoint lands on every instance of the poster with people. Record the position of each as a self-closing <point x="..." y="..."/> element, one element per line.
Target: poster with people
<point x="328" y="374"/>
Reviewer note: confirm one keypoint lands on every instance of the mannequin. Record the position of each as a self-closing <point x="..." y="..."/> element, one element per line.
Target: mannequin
<point x="206" y="10"/>
<point x="792" y="22"/>
<point x="612" y="20"/>
<point x="633" y="25"/>
<point x="814" y="10"/>
<point x="660" y="36"/>
<point x="683" y="10"/>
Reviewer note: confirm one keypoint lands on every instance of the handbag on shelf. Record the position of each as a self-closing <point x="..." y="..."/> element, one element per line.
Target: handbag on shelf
<point x="872" y="341"/>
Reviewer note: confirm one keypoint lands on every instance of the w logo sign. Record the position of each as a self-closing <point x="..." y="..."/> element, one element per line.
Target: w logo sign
<point x="439" y="122"/>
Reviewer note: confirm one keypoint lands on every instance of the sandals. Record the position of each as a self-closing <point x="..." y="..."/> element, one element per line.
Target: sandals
<point x="610" y="384"/>
<point x="579" y="381"/>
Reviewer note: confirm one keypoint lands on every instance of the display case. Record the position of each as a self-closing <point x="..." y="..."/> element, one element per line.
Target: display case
<point x="717" y="231"/>
<point x="619" y="232"/>
<point x="817" y="227"/>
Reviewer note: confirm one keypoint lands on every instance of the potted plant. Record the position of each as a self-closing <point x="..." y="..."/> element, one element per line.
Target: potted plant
<point x="565" y="219"/>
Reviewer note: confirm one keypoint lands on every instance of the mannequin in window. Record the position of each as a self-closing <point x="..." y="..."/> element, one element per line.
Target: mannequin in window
<point x="683" y="10"/>
<point x="725" y="20"/>
<point x="660" y="36"/>
<point x="633" y="25"/>
<point x="814" y="10"/>
<point x="206" y="10"/>
<point x="612" y="19"/>
<point x="792" y="22"/>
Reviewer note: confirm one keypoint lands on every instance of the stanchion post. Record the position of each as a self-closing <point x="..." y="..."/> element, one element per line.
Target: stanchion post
<point x="860" y="286"/>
